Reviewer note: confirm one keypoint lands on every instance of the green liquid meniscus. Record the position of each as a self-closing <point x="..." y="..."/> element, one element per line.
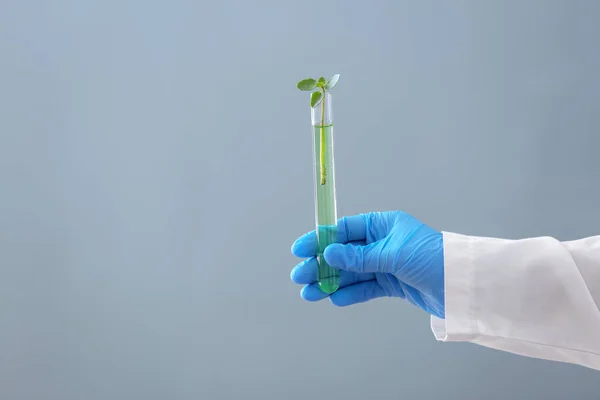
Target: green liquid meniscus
<point x="325" y="205"/>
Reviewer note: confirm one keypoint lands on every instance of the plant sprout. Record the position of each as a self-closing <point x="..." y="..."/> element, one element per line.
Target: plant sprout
<point x="318" y="88"/>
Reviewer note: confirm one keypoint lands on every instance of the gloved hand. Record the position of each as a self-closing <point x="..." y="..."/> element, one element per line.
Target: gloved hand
<point x="379" y="254"/>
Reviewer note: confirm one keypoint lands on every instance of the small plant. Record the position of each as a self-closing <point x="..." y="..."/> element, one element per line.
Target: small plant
<point x="318" y="88"/>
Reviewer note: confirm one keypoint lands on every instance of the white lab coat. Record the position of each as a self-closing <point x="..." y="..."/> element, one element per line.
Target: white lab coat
<point x="536" y="297"/>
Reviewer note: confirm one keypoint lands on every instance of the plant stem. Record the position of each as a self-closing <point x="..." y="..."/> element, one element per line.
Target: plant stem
<point x="323" y="143"/>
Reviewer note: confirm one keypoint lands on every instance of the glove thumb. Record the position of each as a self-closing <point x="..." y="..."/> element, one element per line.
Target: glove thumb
<point x="352" y="257"/>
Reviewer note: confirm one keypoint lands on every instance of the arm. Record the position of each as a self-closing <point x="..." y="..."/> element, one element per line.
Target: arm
<point x="535" y="297"/>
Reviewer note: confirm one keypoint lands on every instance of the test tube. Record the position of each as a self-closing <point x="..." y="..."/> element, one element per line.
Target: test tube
<point x="324" y="190"/>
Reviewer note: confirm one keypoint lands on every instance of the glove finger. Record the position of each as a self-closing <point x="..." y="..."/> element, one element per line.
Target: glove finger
<point x="349" y="229"/>
<point x="352" y="228"/>
<point x="312" y="292"/>
<point x="359" y="293"/>
<point x="354" y="258"/>
<point x="306" y="245"/>
<point x="304" y="252"/>
<point x="306" y="272"/>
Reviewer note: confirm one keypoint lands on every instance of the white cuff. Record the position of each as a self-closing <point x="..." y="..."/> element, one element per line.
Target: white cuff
<point x="460" y="323"/>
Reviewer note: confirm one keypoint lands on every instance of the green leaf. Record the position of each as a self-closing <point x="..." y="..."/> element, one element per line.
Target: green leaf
<point x="315" y="98"/>
<point x="332" y="81"/>
<point x="321" y="82"/>
<point x="307" y="84"/>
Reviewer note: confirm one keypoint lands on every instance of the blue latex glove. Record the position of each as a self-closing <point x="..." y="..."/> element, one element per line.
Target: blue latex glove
<point x="379" y="254"/>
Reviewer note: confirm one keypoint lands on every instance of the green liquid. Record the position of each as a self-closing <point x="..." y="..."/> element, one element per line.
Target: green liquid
<point x="325" y="205"/>
<point x="328" y="278"/>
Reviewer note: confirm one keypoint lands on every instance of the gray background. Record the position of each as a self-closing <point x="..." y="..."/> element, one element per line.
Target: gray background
<point x="156" y="167"/>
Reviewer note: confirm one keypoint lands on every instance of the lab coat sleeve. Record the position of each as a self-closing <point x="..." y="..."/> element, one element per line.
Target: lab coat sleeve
<point x="536" y="297"/>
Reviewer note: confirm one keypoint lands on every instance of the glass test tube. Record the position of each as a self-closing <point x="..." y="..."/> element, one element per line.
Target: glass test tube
<point x="324" y="182"/>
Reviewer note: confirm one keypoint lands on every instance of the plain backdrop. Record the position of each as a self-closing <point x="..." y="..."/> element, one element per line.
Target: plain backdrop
<point x="156" y="166"/>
